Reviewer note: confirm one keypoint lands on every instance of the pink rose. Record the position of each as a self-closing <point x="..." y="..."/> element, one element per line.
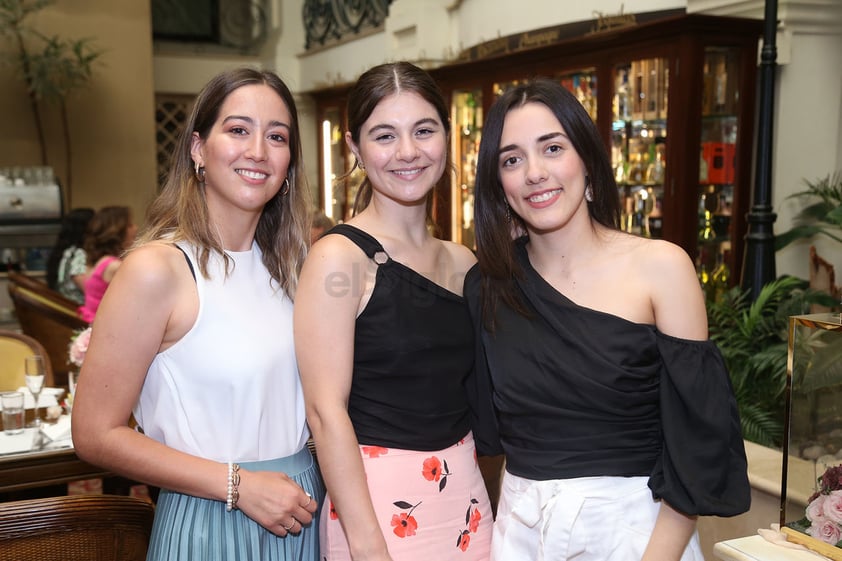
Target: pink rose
<point x="825" y="531"/>
<point x="79" y="346"/>
<point x="815" y="510"/>
<point x="833" y="507"/>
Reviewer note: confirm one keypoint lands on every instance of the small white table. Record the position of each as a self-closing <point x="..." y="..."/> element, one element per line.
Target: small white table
<point x="755" y="548"/>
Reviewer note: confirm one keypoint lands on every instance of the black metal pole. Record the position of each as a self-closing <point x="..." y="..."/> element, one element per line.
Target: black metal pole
<point x="759" y="263"/>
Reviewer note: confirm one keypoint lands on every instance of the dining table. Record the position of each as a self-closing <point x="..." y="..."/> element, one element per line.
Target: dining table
<point x="44" y="456"/>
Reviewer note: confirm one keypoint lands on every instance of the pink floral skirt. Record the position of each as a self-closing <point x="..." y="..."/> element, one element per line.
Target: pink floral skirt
<point x="430" y="505"/>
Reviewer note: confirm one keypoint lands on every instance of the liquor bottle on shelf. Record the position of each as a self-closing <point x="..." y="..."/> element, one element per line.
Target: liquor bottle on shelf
<point x="647" y="207"/>
<point x="620" y="166"/>
<point x="621" y="98"/>
<point x="637" y="171"/>
<point x="584" y="93"/>
<point x="656" y="170"/>
<point x="704" y="279"/>
<point x="720" y="279"/>
<point x="708" y="205"/>
<point x="721" y="85"/>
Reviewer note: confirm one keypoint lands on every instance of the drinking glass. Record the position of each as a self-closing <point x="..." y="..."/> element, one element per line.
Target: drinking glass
<point x="13" y="412"/>
<point x="35" y="371"/>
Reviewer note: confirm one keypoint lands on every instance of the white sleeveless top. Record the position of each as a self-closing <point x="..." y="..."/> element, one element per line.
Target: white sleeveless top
<point x="229" y="390"/>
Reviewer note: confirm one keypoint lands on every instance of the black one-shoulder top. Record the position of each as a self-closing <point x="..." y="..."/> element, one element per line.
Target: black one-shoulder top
<point x="413" y="351"/>
<point x="575" y="392"/>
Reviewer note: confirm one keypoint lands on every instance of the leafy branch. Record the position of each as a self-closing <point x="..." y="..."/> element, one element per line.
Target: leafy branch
<point x="51" y="67"/>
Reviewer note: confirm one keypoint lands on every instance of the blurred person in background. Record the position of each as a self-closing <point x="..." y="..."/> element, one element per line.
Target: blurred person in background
<point x="110" y="233"/>
<point x="319" y="224"/>
<point x="67" y="266"/>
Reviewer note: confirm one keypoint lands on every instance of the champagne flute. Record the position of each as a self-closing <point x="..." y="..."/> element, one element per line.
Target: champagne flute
<point x="35" y="371"/>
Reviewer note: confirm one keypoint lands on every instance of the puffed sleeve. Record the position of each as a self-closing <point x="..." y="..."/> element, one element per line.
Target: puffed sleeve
<point x="702" y="466"/>
<point x="478" y="384"/>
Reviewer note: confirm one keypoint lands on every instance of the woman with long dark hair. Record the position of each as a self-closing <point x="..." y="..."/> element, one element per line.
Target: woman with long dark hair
<point x="613" y="408"/>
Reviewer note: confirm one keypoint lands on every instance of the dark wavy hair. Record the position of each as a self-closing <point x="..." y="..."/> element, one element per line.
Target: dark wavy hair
<point x="493" y="218"/>
<point x="382" y="81"/>
<point x="72" y="234"/>
<point x="106" y="233"/>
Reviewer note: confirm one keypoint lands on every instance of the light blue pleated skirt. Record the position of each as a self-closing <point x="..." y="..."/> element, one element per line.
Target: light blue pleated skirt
<point x="189" y="528"/>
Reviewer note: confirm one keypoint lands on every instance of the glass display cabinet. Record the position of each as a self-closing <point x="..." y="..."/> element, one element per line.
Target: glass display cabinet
<point x="812" y="451"/>
<point x="466" y="119"/>
<point x="638" y="143"/>
<point x="670" y="93"/>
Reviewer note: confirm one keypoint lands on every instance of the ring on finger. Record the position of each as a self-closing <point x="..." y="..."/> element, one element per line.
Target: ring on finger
<point x="291" y="526"/>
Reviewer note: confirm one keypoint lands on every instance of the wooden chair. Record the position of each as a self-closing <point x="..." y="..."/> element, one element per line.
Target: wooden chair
<point x="50" y="324"/>
<point x="76" y="528"/>
<point x="14" y="348"/>
<point x="42" y="289"/>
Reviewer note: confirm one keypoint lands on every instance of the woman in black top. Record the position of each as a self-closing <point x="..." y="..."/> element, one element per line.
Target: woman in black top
<point x="385" y="344"/>
<point x="614" y="410"/>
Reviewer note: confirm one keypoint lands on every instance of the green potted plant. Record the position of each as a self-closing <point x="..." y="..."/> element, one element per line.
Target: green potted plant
<point x="822" y="217"/>
<point x="52" y="69"/>
<point x="752" y="335"/>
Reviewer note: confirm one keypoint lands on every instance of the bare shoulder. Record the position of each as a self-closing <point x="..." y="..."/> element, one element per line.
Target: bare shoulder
<point x="334" y="251"/>
<point x="661" y="256"/>
<point x="459" y="255"/>
<point x="155" y="264"/>
<point x="674" y="290"/>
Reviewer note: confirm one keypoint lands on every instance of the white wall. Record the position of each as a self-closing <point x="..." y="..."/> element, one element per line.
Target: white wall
<point x="807" y="145"/>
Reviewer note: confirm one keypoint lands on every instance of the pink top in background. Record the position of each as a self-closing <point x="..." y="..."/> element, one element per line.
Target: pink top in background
<point x="94" y="290"/>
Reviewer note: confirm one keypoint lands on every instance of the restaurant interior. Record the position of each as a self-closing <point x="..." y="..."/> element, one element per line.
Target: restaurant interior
<point x="675" y="87"/>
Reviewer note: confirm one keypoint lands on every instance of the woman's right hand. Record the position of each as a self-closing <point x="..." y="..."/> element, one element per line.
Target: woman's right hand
<point x="275" y="501"/>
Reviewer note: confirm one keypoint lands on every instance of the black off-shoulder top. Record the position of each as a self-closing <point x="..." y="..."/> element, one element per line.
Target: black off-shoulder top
<point x="574" y="392"/>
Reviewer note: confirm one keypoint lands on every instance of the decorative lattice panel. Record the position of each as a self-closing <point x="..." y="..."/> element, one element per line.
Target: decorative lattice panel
<point x="171" y="112"/>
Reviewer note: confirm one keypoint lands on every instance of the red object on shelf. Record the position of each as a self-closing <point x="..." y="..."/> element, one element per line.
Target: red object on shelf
<point x="719" y="157"/>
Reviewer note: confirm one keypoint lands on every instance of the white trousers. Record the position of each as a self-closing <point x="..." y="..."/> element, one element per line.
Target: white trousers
<point x="582" y="519"/>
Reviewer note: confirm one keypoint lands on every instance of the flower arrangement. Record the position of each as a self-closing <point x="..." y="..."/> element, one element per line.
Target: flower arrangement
<point x="823" y="517"/>
<point x="79" y="346"/>
<point x="76" y="352"/>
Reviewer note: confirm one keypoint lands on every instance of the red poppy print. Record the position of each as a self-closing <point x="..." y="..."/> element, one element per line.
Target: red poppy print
<point x="472" y="518"/>
<point x="464" y="540"/>
<point x="374" y="451"/>
<point x="473" y="524"/>
<point x="432" y="469"/>
<point x="332" y="514"/>
<point x="404" y="524"/>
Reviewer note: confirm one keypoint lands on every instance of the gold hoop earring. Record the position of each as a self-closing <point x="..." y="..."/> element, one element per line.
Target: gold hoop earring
<point x="285" y="188"/>
<point x="200" y="173"/>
